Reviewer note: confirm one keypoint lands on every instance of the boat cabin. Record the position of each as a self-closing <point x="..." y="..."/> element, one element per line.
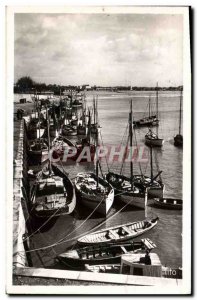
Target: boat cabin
<point x="141" y="264"/>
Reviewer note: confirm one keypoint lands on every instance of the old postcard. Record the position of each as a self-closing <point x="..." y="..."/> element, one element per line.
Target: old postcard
<point x="98" y="175"/>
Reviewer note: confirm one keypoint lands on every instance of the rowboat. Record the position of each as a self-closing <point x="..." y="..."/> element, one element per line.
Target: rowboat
<point x="119" y="233"/>
<point x="102" y="254"/>
<point x="166" y="272"/>
<point x="94" y="192"/>
<point x="168" y="203"/>
<point x="53" y="194"/>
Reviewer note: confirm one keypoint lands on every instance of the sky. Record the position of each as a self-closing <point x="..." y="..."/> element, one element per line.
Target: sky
<point x="99" y="49"/>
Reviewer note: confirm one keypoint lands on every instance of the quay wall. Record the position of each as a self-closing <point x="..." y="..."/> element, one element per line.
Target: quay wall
<point x="20" y="194"/>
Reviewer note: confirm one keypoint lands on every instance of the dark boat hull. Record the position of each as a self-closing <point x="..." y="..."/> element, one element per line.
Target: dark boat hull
<point x="169" y="204"/>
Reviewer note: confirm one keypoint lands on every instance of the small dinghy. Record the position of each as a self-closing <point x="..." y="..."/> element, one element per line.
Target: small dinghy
<point x="119" y="233"/>
<point x="168" y="203"/>
<point x="103" y="254"/>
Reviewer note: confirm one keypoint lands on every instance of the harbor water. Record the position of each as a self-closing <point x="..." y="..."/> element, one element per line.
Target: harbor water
<point x="113" y="110"/>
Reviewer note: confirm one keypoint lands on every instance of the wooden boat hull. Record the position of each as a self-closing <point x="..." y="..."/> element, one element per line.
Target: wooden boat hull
<point x="69" y="206"/>
<point x="134" y="197"/>
<point x="130" y="199"/>
<point x="38" y="157"/>
<point x="178" y="140"/>
<point x="154" y="142"/>
<point x="118" y="234"/>
<point x="111" y="254"/>
<point x="147" y="123"/>
<point x="69" y="132"/>
<point x="155" y="189"/>
<point x="168" y="203"/>
<point x="81" y="130"/>
<point x="35" y="134"/>
<point x="92" y="201"/>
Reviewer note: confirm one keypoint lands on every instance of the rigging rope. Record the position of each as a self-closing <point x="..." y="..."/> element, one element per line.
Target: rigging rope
<point x="105" y="155"/>
<point x="54" y="215"/>
<point x="61" y="241"/>
<point x="125" y="133"/>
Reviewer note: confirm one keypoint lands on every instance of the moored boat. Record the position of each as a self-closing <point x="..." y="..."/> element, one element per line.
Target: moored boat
<point x="168" y="203"/>
<point x="53" y="194"/>
<point x="102" y="254"/>
<point x="124" y="186"/>
<point x="68" y="130"/>
<point x="150" y="120"/>
<point x="178" y="139"/>
<point x="94" y="192"/>
<point x="151" y="138"/>
<point x="119" y="233"/>
<point x="38" y="151"/>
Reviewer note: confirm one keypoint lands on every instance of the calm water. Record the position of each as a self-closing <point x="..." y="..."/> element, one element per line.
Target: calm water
<point x="113" y="117"/>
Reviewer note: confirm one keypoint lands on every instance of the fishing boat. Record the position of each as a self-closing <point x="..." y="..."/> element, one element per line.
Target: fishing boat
<point x="151" y="120"/>
<point x="74" y="121"/>
<point x="152" y="138"/>
<point x="94" y="125"/>
<point x="155" y="186"/>
<point x="36" y="126"/>
<point x="82" y="128"/>
<point x="68" y="130"/>
<point x="60" y="146"/>
<point x="53" y="194"/>
<point x="102" y="254"/>
<point x="124" y="186"/>
<point x="118" y="233"/>
<point x="38" y="151"/>
<point x="178" y="139"/>
<point x="94" y="192"/>
<point x="76" y="103"/>
<point x="168" y="203"/>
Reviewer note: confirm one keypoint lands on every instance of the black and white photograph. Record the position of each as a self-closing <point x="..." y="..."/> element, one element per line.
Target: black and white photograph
<point x="99" y="172"/>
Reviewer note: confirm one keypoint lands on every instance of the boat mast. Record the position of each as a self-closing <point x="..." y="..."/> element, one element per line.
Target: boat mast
<point x="38" y="123"/>
<point x="131" y="140"/>
<point x="149" y="107"/>
<point x="97" y="111"/>
<point x="157" y="112"/>
<point x="94" y="108"/>
<point x="47" y="115"/>
<point x="97" y="159"/>
<point x="89" y="126"/>
<point x="151" y="164"/>
<point x="180" y="113"/>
